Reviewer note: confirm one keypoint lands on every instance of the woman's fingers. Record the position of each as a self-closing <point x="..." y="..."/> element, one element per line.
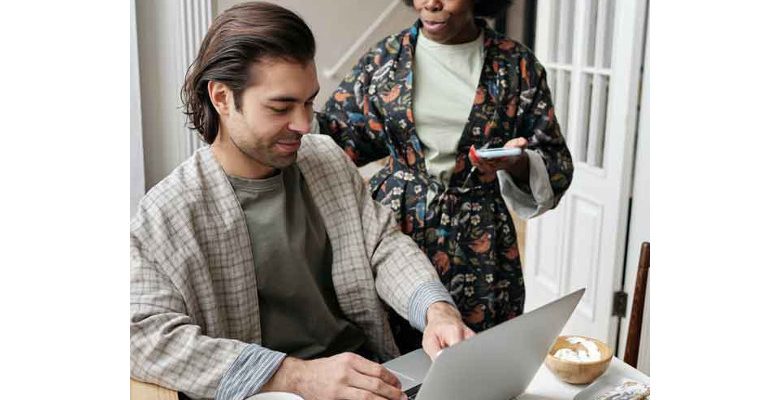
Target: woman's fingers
<point x="517" y="142"/>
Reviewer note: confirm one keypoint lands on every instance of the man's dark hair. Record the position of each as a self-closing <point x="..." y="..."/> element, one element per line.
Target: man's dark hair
<point x="238" y="38"/>
<point x="482" y="8"/>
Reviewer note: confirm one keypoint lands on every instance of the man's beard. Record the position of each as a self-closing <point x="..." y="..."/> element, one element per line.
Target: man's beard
<point x="266" y="158"/>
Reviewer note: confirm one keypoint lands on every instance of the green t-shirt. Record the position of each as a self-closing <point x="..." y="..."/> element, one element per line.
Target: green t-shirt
<point x="299" y="313"/>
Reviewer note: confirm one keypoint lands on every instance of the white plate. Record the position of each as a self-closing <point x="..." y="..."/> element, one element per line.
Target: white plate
<point x="609" y="381"/>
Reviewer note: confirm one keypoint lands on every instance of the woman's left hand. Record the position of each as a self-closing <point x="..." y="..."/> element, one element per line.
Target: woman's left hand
<point x="489" y="167"/>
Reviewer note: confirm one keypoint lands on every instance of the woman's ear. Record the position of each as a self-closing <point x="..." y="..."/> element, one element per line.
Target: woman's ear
<point x="221" y="97"/>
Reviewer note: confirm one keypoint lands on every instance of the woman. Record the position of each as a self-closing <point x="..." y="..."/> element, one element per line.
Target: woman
<point x="427" y="97"/>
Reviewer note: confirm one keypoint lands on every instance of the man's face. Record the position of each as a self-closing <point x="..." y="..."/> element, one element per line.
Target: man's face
<point x="276" y="111"/>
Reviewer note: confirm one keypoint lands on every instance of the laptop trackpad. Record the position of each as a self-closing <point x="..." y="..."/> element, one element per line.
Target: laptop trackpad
<point x="410" y="368"/>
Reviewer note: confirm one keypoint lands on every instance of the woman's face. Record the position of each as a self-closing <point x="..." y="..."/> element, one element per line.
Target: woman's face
<point x="447" y="21"/>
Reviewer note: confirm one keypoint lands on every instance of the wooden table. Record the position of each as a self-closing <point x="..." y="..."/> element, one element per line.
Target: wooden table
<point x="545" y="386"/>
<point x="147" y="391"/>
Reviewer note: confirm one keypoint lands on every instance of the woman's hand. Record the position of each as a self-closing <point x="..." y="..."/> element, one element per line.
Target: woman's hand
<point x="516" y="166"/>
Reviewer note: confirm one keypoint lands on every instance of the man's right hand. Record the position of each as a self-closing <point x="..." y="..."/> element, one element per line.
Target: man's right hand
<point x="343" y="376"/>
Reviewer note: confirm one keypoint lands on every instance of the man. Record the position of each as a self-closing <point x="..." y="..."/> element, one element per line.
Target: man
<point x="259" y="263"/>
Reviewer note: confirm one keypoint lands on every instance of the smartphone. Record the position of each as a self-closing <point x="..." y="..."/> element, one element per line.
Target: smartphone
<point x="500" y="152"/>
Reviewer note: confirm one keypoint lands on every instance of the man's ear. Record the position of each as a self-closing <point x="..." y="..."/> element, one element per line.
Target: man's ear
<point x="221" y="97"/>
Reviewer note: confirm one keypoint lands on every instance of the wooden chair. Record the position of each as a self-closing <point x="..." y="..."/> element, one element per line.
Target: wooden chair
<point x="631" y="354"/>
<point x="148" y="391"/>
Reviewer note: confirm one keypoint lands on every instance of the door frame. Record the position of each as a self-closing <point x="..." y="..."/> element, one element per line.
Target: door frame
<point x="639" y="218"/>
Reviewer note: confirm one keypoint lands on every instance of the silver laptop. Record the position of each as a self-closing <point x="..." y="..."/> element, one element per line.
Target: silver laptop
<point x="496" y="364"/>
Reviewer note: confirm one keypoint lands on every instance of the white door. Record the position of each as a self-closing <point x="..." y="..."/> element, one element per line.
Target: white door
<point x="592" y="52"/>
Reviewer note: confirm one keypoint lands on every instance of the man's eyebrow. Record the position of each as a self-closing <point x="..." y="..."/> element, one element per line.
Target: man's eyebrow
<point x="290" y="99"/>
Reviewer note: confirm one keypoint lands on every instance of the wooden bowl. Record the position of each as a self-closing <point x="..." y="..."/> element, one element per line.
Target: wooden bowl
<point x="577" y="372"/>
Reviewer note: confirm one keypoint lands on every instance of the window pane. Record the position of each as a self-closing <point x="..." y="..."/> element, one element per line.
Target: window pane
<point x="561" y="99"/>
<point x="555" y="6"/>
<point x="562" y="31"/>
<point x="598" y="42"/>
<point x="598" y="121"/>
<point x="590" y="28"/>
<point x="567" y="17"/>
<point x="587" y="91"/>
<point x="609" y="25"/>
<point x="551" y="74"/>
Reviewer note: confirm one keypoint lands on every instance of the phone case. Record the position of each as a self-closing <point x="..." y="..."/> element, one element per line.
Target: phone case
<point x="498" y="153"/>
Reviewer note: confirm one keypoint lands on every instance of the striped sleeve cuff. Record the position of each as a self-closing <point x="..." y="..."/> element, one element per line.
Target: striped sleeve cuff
<point x="252" y="369"/>
<point x="541" y="198"/>
<point x="422" y="298"/>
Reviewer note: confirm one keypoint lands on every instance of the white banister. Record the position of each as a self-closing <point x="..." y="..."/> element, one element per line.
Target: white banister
<point x="194" y="19"/>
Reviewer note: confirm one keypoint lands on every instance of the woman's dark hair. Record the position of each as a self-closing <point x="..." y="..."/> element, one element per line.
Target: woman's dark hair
<point x="482" y="8"/>
<point x="238" y="38"/>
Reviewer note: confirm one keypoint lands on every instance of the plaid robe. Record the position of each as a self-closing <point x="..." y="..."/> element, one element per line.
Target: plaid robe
<point x="195" y="314"/>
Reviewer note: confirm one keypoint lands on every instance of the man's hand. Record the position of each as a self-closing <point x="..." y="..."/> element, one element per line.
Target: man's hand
<point x="516" y="166"/>
<point x="444" y="328"/>
<point x="344" y="376"/>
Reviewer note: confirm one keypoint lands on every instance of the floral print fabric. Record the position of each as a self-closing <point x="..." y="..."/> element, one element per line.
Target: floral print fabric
<point x="466" y="230"/>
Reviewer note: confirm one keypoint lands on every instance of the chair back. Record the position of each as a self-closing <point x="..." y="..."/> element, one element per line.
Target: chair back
<point x="631" y="354"/>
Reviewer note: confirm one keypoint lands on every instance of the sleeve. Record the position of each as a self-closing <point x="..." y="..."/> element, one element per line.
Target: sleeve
<point x="550" y="162"/>
<point x="424" y="295"/>
<point x="167" y="347"/>
<point x="405" y="278"/>
<point x="349" y="118"/>
<point x="541" y="196"/>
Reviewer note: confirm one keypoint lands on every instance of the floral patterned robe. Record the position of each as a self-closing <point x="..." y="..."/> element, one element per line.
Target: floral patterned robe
<point x="466" y="231"/>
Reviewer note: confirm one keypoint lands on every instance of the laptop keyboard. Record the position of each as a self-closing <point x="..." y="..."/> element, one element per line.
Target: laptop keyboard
<point x="412" y="392"/>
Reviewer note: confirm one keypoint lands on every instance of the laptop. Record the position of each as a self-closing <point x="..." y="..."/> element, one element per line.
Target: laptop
<point x="496" y="364"/>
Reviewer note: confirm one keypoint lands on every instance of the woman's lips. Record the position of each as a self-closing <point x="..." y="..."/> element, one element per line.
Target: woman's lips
<point x="434" y="26"/>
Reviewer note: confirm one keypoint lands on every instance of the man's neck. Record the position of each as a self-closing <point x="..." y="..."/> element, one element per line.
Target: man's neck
<point x="236" y="163"/>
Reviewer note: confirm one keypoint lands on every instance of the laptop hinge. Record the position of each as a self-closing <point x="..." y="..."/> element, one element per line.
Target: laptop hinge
<point x="619" y="304"/>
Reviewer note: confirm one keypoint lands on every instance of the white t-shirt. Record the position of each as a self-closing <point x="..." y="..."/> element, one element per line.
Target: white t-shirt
<point x="445" y="83"/>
